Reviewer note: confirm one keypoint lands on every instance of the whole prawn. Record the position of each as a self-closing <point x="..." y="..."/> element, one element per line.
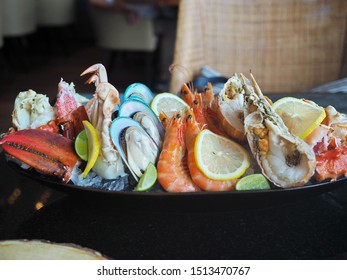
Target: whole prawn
<point x="206" y="184"/>
<point x="203" y="108"/>
<point x="205" y="116"/>
<point x="173" y="173"/>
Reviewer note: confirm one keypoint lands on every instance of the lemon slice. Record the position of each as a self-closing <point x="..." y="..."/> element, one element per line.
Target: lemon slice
<point x="301" y="117"/>
<point x="168" y="103"/>
<point x="219" y="158"/>
<point x="93" y="146"/>
<point x="148" y="178"/>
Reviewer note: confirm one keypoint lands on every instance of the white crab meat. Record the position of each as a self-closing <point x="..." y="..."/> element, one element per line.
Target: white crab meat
<point x="31" y="110"/>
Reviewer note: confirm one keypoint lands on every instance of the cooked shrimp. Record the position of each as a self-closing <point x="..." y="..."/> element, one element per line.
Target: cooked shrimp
<point x="187" y="94"/>
<point x="164" y="119"/>
<point x="208" y="98"/>
<point x="205" y="116"/>
<point x="192" y="131"/>
<point x="173" y="173"/>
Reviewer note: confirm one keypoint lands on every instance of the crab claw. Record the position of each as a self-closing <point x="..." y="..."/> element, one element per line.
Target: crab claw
<point x="99" y="74"/>
<point x="45" y="151"/>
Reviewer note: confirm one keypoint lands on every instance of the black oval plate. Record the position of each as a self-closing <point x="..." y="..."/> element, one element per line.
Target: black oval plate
<point x="213" y="200"/>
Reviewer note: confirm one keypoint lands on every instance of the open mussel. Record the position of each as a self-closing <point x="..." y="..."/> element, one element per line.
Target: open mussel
<point x="144" y="115"/>
<point x="134" y="144"/>
<point x="139" y="91"/>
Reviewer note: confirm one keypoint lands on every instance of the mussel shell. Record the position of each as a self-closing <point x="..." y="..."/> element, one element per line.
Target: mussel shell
<point x="117" y="132"/>
<point x="141" y="150"/>
<point x="131" y="106"/>
<point x="139" y="91"/>
<point x="151" y="128"/>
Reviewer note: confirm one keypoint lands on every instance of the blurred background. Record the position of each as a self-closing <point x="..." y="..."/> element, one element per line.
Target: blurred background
<point x="42" y="41"/>
<point x="290" y="45"/>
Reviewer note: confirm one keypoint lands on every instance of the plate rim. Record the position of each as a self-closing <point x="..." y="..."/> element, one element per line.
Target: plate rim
<point x="43" y="179"/>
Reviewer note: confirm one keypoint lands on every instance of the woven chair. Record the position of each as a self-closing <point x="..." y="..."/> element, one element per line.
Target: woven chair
<point x="114" y="33"/>
<point x="290" y="45"/>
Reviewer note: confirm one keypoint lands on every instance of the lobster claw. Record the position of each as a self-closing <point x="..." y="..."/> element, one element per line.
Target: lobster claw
<point x="47" y="152"/>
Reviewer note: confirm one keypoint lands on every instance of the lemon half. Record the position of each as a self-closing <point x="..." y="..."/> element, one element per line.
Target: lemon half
<point x="219" y="158"/>
<point x="168" y="103"/>
<point x="301" y="117"/>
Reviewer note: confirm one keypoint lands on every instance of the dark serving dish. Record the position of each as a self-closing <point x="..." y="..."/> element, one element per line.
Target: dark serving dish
<point x="229" y="200"/>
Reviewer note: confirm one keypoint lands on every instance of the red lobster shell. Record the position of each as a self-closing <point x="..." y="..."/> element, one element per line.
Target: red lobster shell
<point x="45" y="151"/>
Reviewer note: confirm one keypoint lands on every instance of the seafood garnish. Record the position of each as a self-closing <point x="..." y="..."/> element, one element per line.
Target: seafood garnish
<point x="42" y="136"/>
<point x="173" y="173"/>
<point x="192" y="131"/>
<point x="204" y="108"/>
<point x="99" y="109"/>
<point x="187" y="94"/>
<point x="230" y="104"/>
<point x="47" y="152"/>
<point x="31" y="110"/>
<point x="134" y="144"/>
<point x="66" y="99"/>
<point x="70" y="111"/>
<point x="329" y="143"/>
<point x="285" y="159"/>
<point x="205" y="114"/>
<point x="143" y="114"/>
<point x="338" y="123"/>
<point x="148" y="124"/>
<point x="138" y="91"/>
<point x="140" y="149"/>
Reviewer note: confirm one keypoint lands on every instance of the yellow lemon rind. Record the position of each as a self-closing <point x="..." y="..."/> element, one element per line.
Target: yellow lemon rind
<point x="308" y="131"/>
<point x="279" y="103"/>
<point x="93" y="151"/>
<point x="215" y="176"/>
<point x="158" y="97"/>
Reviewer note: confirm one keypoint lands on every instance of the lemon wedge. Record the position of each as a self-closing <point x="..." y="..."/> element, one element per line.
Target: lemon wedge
<point x="168" y="103"/>
<point x="81" y="145"/>
<point x="253" y="182"/>
<point x="93" y="146"/>
<point x="148" y="178"/>
<point x="301" y="117"/>
<point x="219" y="158"/>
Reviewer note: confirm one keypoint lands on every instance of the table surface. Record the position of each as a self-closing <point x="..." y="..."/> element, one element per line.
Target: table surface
<point x="310" y="228"/>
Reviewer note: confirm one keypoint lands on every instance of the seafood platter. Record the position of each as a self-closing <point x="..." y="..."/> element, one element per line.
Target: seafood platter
<point x="235" y="141"/>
